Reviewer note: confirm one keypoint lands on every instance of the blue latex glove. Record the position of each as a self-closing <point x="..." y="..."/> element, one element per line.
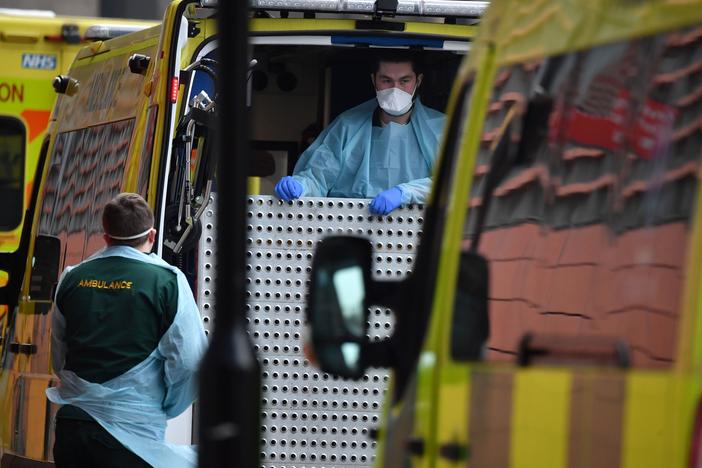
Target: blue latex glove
<point x="288" y="189"/>
<point x="386" y="201"/>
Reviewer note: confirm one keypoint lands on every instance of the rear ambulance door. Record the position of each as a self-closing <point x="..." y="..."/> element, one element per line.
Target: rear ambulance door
<point x="159" y="153"/>
<point x="189" y="28"/>
<point x="589" y="237"/>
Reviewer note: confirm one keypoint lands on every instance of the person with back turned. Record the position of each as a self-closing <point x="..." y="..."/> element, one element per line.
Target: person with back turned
<point x="127" y="340"/>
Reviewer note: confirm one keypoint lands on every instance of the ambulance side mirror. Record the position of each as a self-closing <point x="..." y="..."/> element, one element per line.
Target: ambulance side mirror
<point x="45" y="267"/>
<point x="139" y="63"/>
<point x="338" y="304"/>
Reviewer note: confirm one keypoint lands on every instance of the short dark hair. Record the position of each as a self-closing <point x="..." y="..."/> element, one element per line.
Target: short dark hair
<point x="397" y="56"/>
<point x="126" y="215"/>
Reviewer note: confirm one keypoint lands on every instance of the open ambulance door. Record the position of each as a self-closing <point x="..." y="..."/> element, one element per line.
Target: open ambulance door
<point x="184" y="149"/>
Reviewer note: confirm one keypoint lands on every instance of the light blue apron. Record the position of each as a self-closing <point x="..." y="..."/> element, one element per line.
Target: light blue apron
<point x="134" y="406"/>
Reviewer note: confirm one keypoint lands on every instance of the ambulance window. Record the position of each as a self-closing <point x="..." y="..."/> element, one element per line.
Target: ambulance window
<point x="12" y="147"/>
<point x="87" y="170"/>
<point x="588" y="233"/>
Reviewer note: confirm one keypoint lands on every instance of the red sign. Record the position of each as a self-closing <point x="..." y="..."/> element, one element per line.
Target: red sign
<point x="646" y="135"/>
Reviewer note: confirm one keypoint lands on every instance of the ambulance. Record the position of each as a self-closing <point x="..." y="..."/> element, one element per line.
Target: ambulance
<point x="136" y="113"/>
<point x="554" y="314"/>
<point x="35" y="46"/>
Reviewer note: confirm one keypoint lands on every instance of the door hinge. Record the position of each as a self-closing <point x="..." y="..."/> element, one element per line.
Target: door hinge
<point x="193" y="29"/>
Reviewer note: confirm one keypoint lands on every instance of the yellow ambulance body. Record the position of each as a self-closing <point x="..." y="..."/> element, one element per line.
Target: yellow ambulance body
<point x="34" y="49"/>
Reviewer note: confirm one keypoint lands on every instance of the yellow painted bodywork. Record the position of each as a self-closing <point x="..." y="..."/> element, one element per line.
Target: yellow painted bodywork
<point x="660" y="406"/>
<point x="540" y="418"/>
<point x="301" y="25"/>
<point x="647" y="417"/>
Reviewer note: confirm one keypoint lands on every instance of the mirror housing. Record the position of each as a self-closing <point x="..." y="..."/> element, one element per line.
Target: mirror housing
<point x="64" y="84"/>
<point x="45" y="269"/>
<point x="338" y="304"/>
<point x="139" y="63"/>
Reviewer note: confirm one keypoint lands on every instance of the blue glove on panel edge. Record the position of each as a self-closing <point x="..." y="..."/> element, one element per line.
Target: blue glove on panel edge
<point x="386" y="201"/>
<point x="288" y="189"/>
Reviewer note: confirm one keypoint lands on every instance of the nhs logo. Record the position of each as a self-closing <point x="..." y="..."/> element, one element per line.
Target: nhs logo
<point x="39" y="61"/>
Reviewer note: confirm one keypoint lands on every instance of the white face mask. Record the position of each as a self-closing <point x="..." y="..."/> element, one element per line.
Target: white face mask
<point x="395" y="101"/>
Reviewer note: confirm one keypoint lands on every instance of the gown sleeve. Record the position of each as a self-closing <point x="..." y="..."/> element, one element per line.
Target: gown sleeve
<point x="182" y="348"/>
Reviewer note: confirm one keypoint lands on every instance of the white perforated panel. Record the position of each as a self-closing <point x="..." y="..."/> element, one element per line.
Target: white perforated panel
<point x="309" y="419"/>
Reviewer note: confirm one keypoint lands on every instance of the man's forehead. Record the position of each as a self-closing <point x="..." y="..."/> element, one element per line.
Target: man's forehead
<point x="395" y="69"/>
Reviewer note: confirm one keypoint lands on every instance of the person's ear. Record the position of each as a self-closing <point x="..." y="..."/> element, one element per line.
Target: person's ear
<point x="152" y="235"/>
<point x="107" y="239"/>
<point x="420" y="77"/>
<point x="372" y="77"/>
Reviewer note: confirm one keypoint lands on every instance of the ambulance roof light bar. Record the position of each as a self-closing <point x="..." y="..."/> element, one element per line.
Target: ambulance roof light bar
<point x="326" y="6"/>
<point x="452" y="8"/>
<point x="466" y="9"/>
<point x="101" y="32"/>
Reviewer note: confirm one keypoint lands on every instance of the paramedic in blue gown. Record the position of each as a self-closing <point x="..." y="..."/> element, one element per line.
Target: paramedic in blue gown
<point x="126" y="343"/>
<point x="382" y="149"/>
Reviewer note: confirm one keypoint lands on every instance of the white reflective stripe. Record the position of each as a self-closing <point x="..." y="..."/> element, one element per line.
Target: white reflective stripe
<point x="457" y="46"/>
<point x="291" y="40"/>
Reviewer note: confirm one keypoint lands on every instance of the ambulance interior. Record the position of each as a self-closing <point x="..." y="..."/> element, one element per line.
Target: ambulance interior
<point x="297" y="90"/>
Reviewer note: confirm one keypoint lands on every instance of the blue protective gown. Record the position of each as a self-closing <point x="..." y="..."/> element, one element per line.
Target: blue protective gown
<point x="134" y="406"/>
<point x="353" y="159"/>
